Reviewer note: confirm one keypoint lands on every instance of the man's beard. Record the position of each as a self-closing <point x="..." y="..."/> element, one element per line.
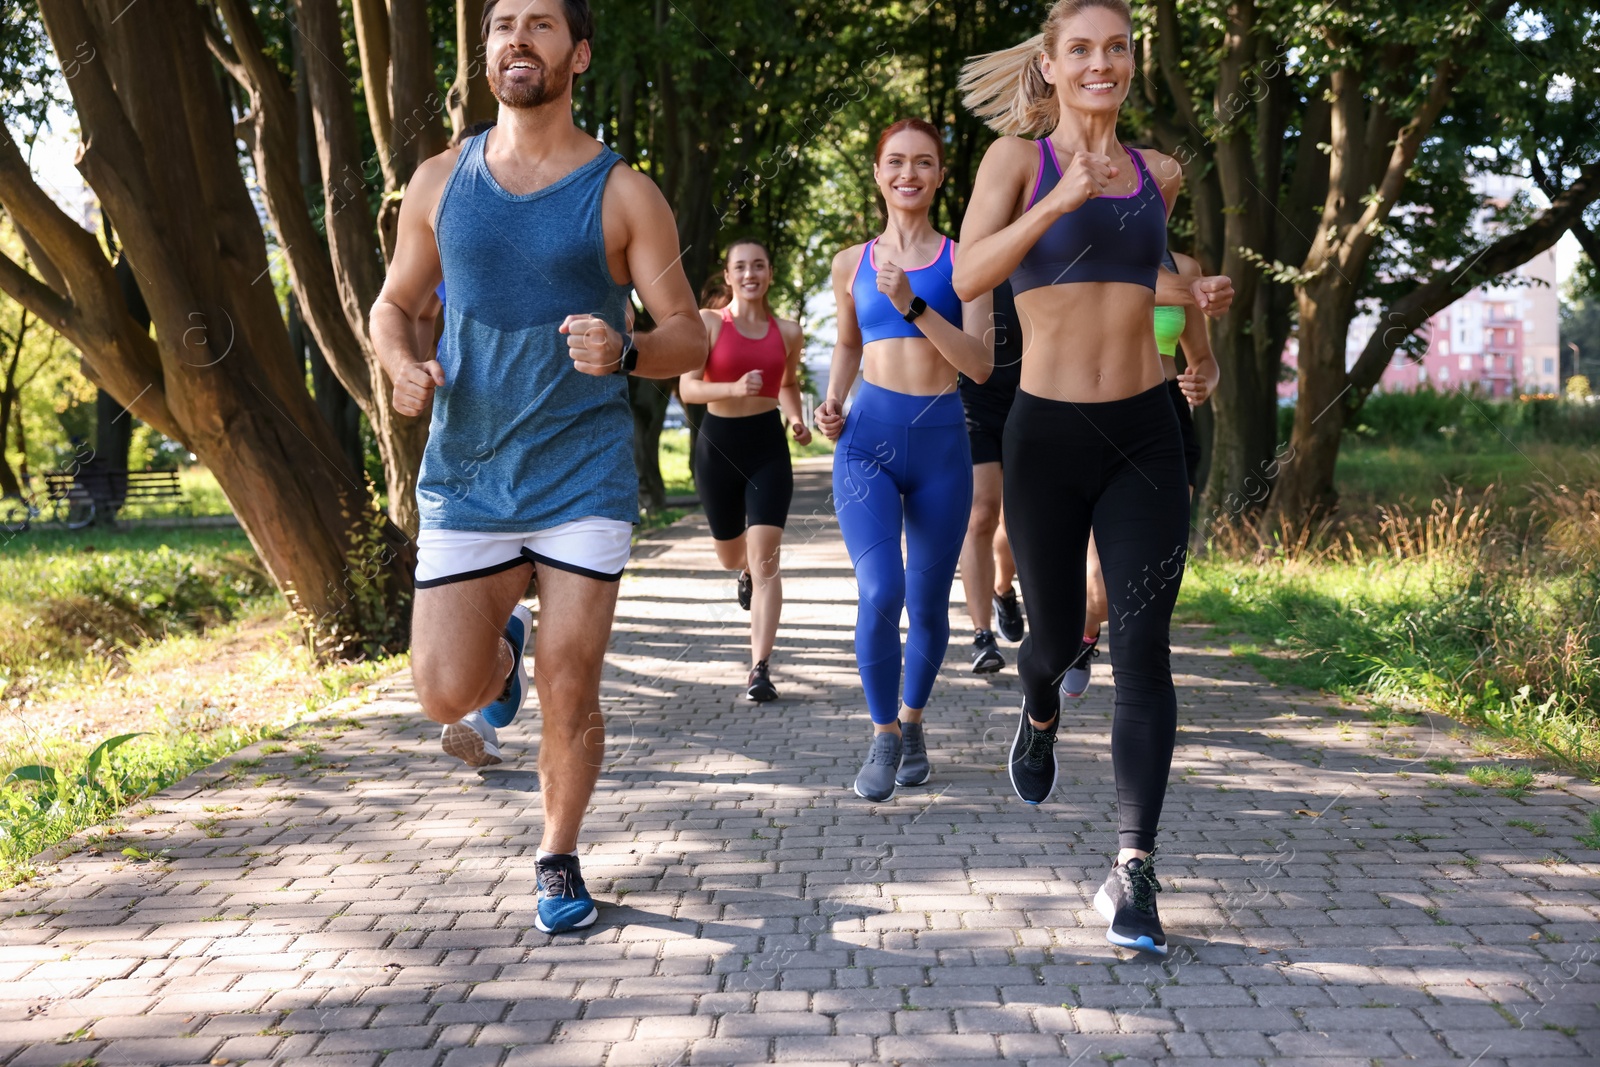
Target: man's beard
<point x="547" y="84"/>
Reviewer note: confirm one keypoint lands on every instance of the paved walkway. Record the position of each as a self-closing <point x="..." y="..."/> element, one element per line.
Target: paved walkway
<point x="1333" y="896"/>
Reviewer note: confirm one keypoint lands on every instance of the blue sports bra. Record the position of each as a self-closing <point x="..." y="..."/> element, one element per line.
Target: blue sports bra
<point x="879" y="319"/>
<point x="1108" y="239"/>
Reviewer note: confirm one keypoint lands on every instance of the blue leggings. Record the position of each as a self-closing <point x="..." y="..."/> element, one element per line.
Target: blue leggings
<point x="902" y="461"/>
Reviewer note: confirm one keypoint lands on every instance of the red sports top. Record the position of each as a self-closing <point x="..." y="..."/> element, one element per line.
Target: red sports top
<point x="735" y="355"/>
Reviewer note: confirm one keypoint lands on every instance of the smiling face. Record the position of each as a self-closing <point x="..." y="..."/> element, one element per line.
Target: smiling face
<point x="908" y="170"/>
<point x="748" y="271"/>
<point x="1092" y="63"/>
<point x="530" y="53"/>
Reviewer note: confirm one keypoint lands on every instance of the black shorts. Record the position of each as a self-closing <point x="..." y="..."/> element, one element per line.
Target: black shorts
<point x="742" y="471"/>
<point x="1191" y="437"/>
<point x="987" y="406"/>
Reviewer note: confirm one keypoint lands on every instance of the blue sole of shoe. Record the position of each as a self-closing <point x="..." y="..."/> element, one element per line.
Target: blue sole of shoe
<point x="1142" y="943"/>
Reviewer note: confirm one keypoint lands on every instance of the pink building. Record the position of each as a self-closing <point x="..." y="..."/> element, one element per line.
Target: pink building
<point x="1502" y="340"/>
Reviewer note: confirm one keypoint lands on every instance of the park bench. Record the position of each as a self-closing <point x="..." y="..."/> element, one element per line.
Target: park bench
<point x="89" y="491"/>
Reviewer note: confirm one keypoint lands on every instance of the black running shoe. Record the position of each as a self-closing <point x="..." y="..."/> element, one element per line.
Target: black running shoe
<point x="746" y="588"/>
<point x="1128" y="902"/>
<point x="1033" y="760"/>
<point x="1008" y="615"/>
<point x="759" y="687"/>
<point x="986" y="657"/>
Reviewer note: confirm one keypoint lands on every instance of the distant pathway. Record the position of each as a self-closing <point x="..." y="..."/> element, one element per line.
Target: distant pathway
<point x="1332" y="898"/>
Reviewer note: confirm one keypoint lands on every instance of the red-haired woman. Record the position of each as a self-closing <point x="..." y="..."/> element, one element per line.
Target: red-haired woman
<point x="1078" y="223"/>
<point x="750" y="386"/>
<point x="902" y="465"/>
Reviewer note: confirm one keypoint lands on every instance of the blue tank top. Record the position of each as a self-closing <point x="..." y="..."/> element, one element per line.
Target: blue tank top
<point x="1108" y="239"/>
<point x="520" y="441"/>
<point x="878" y="318"/>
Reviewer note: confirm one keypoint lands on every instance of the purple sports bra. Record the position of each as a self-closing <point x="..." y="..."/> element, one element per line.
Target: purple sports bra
<point x="1108" y="239"/>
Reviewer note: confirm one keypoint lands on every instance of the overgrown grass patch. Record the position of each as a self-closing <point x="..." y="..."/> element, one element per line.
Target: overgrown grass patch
<point x="1494" y="622"/>
<point x="72" y="605"/>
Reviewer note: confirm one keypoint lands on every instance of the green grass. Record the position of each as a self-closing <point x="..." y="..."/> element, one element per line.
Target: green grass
<point x="64" y="788"/>
<point x="1370" y="475"/>
<point x="70" y="603"/>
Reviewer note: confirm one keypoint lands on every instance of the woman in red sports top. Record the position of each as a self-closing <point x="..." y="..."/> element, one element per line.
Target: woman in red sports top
<point x="741" y="460"/>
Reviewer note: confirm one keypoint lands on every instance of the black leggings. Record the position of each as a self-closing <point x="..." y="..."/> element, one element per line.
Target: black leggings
<point x="1117" y="468"/>
<point x="742" y="472"/>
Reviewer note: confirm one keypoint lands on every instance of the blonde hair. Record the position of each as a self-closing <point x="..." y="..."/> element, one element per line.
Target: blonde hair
<point x="1007" y="90"/>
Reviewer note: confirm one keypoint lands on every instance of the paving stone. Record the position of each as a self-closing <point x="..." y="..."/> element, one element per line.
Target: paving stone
<point x="771" y="915"/>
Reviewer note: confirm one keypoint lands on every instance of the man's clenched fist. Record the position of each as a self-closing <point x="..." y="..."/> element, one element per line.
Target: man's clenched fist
<point x="413" y="390"/>
<point x="595" y="348"/>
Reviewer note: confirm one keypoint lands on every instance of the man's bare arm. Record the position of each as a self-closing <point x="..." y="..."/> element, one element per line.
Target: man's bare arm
<point x="408" y="290"/>
<point x="655" y="263"/>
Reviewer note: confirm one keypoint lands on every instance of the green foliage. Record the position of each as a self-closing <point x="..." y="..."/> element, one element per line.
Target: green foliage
<point x="1447" y="610"/>
<point x="1463" y="420"/>
<point x="68" y="599"/>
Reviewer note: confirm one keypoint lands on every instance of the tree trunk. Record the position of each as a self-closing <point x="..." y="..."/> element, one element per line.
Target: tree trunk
<point x="470" y="100"/>
<point x="648" y="398"/>
<point x="335" y="403"/>
<point x="158" y="149"/>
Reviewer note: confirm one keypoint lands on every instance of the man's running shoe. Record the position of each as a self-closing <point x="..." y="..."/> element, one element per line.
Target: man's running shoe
<point x="472" y="741"/>
<point x="914" y="766"/>
<point x="564" y="901"/>
<point x="519" y="632"/>
<point x="1128" y="902"/>
<point x="759" y="687"/>
<point x="876" y="780"/>
<point x="986" y="657"/>
<point x="1033" y="759"/>
<point x="746" y="589"/>
<point x="1076" y="681"/>
<point x="1008" y="615"/>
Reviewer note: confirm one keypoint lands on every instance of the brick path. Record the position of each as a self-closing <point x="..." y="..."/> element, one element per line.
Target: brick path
<point x="1332" y="898"/>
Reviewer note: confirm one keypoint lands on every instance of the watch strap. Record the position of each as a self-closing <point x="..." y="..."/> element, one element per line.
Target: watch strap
<point x="918" y="306"/>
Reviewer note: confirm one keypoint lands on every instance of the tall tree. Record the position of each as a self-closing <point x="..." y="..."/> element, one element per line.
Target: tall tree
<point x="218" y="375"/>
<point x="1476" y="77"/>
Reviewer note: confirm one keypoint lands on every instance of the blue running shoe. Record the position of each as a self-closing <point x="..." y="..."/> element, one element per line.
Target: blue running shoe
<point x="519" y="631"/>
<point x="564" y="901"/>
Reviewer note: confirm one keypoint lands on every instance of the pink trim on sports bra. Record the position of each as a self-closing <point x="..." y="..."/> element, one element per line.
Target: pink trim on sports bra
<point x="872" y="250"/>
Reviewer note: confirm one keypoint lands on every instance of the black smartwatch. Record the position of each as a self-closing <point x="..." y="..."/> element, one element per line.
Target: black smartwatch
<point x="918" y="306"/>
<point x="630" y="356"/>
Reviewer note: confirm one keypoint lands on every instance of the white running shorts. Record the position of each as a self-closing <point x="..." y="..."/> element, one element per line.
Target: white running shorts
<point x="594" y="548"/>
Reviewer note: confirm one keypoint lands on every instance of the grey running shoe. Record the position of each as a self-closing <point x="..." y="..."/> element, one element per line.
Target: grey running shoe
<point x="1127" y="901"/>
<point x="1033" y="759"/>
<point x="986" y="657"/>
<point x="1008" y="615"/>
<point x="472" y="741"/>
<point x="876" y="780"/>
<point x="1076" y="681"/>
<point x="914" y="766"/>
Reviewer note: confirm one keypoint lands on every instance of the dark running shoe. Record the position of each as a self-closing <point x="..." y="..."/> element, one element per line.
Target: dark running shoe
<point x="1008" y="615"/>
<point x="1033" y="760"/>
<point x="564" y="901"/>
<point x="746" y="588"/>
<point x="1076" y="681"/>
<point x="986" y="657"/>
<point x="914" y="766"/>
<point x="759" y="687"/>
<point x="1128" y="902"/>
<point x="876" y="780"/>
